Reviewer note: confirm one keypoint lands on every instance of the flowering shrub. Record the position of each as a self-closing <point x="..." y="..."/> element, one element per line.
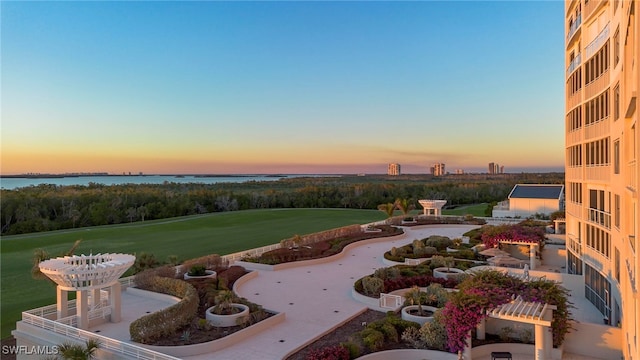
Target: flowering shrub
<point x="337" y="352"/>
<point x="490" y="289"/>
<point x="491" y="235"/>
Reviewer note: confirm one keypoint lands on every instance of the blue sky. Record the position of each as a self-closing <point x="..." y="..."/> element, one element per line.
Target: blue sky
<point x="281" y="87"/>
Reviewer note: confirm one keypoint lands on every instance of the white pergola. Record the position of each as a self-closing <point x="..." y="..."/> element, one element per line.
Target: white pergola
<point x="533" y="249"/>
<point x="432" y="207"/>
<point x="87" y="275"/>
<point x="538" y="314"/>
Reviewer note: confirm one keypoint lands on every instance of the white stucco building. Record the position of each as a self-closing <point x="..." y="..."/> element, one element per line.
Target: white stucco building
<point x="529" y="199"/>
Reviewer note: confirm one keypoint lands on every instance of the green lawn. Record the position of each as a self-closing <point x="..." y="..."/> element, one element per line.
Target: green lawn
<point x="475" y="210"/>
<point x="185" y="237"/>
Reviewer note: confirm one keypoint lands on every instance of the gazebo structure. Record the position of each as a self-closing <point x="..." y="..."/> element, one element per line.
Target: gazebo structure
<point x="432" y="207"/>
<point x="88" y="275"/>
<point x="538" y="314"/>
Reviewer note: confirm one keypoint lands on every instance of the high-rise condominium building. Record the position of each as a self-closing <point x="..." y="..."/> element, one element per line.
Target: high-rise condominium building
<point x="393" y="169"/>
<point x="601" y="136"/>
<point x="437" y="169"/>
<point x="495" y="168"/>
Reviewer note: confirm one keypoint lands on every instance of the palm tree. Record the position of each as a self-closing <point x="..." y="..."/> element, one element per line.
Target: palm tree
<point x="404" y="205"/>
<point x="387" y="208"/>
<point x="224" y="299"/>
<point x="70" y="351"/>
<point x="416" y="297"/>
<point x="40" y="255"/>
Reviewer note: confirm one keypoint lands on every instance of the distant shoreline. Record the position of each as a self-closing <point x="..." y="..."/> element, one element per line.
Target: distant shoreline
<point x="59" y="176"/>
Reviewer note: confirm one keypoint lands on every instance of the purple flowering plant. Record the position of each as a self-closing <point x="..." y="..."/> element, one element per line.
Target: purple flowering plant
<point x="489" y="289"/>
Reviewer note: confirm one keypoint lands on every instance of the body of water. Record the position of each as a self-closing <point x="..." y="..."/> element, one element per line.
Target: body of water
<point x="9" y="183"/>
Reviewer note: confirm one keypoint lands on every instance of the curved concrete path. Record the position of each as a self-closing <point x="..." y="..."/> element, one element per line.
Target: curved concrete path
<point x="316" y="298"/>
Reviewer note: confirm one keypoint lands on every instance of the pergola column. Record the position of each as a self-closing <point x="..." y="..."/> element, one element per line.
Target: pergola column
<point x="481" y="329"/>
<point x="62" y="302"/>
<point x="115" y="302"/>
<point x="540" y="344"/>
<point x="532" y="256"/>
<point x="95" y="297"/>
<point x="467" y="349"/>
<point x="82" y="304"/>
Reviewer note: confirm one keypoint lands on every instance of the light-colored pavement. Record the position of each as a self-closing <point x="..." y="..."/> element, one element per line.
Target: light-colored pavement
<point x="316" y="298"/>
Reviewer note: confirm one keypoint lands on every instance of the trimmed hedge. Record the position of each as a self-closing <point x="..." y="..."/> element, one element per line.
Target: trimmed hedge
<point x="167" y="321"/>
<point x="322" y="236"/>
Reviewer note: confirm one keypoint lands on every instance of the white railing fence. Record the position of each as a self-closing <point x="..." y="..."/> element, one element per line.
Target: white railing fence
<point x="106" y="343"/>
<point x="390" y="301"/>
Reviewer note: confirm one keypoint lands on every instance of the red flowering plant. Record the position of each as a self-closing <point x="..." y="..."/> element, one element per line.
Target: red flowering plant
<point x="492" y="235"/>
<point x="489" y="289"/>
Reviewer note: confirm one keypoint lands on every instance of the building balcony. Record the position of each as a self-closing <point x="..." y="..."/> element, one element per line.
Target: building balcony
<point x="631" y="176"/>
<point x="597" y="43"/>
<point x="597" y="86"/>
<point x="574" y="137"/>
<point x="600" y="217"/>
<point x="591" y="6"/>
<point x="597" y="129"/>
<point x="574" y="99"/>
<point x="574" y="64"/>
<point x="574" y="209"/>
<point x="600" y="173"/>
<point x="569" y="5"/>
<point x="573" y="29"/>
<point x="574" y="173"/>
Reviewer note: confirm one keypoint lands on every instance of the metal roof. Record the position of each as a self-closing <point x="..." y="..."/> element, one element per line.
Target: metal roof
<point x="526" y="191"/>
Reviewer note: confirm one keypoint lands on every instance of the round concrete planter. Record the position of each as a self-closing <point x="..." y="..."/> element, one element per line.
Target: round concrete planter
<point x="228" y="320"/>
<point x="446" y="273"/>
<point x="210" y="275"/>
<point x="410" y="313"/>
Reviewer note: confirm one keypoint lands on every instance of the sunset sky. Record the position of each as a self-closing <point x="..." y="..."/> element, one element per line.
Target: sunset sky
<point x="281" y="87"/>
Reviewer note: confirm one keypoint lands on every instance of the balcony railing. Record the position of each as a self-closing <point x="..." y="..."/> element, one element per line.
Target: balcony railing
<point x="596" y="43"/>
<point x="574" y="27"/>
<point x="600" y="217"/>
<point x="574" y="64"/>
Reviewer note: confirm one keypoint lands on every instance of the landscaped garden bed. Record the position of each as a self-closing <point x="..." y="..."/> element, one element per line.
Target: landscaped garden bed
<point x="375" y="331"/>
<point x="186" y="323"/>
<point x="300" y="248"/>
<point x="433" y="245"/>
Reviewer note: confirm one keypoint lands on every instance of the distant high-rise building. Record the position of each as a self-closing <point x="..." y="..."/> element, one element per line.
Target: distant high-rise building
<point x="438" y="169"/>
<point x="459" y="171"/>
<point x="393" y="169"/>
<point x="495" y="168"/>
<point x="602" y="45"/>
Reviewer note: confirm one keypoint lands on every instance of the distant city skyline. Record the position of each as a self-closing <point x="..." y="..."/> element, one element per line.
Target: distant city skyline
<point x="281" y="87"/>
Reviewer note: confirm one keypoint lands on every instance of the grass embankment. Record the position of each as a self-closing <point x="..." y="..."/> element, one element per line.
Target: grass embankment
<point x="475" y="210"/>
<point x="185" y="237"/>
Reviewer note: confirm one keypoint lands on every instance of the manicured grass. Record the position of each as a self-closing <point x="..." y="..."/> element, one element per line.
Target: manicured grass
<point x="185" y="237"/>
<point x="475" y="210"/>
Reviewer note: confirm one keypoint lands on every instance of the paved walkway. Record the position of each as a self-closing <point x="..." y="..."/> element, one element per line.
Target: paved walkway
<point x="316" y="298"/>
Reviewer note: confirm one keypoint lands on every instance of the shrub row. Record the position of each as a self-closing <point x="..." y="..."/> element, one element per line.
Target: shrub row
<point x="166" y="321"/>
<point x="210" y="262"/>
<point x="372" y="286"/>
<point x="374" y="336"/>
<point x="322" y="236"/>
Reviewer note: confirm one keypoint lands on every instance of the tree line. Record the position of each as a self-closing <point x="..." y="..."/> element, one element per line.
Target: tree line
<point x="53" y="207"/>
